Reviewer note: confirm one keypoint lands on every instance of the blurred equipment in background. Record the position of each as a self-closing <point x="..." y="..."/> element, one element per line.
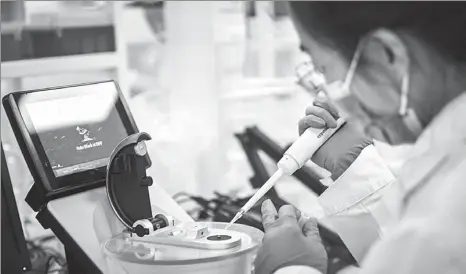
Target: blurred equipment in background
<point x="278" y="9"/>
<point x="154" y="15"/>
<point x="250" y="8"/>
<point x="12" y="11"/>
<point x="62" y="42"/>
<point x="52" y="34"/>
<point x="252" y="140"/>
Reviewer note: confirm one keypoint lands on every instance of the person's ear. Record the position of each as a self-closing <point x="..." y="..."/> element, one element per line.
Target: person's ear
<point x="386" y="50"/>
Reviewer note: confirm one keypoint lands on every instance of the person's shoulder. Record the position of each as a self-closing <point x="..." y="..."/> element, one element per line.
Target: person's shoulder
<point x="447" y="130"/>
<point x="453" y="115"/>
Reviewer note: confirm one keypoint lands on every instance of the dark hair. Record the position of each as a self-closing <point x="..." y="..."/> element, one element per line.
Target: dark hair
<point x="442" y="25"/>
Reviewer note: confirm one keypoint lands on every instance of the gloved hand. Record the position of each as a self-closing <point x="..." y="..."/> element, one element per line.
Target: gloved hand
<point x="342" y="149"/>
<point x="285" y="243"/>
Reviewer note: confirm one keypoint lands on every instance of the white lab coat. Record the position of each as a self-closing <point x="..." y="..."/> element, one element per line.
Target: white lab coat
<point x="403" y="209"/>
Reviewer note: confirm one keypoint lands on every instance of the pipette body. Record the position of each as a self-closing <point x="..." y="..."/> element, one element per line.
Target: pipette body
<point x="293" y="159"/>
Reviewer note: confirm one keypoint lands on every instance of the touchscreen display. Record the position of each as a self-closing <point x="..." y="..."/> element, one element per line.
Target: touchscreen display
<point x="79" y="132"/>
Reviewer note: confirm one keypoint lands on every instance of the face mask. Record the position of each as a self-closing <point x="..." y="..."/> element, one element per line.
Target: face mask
<point x="387" y="128"/>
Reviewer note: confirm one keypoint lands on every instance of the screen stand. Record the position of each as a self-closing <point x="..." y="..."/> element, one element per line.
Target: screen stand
<point x="36" y="197"/>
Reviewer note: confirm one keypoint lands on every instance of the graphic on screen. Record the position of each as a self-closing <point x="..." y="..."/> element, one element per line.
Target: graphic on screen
<point x="78" y="133"/>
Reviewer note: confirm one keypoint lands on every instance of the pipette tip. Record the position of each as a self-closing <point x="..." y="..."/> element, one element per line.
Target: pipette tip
<point x="237" y="216"/>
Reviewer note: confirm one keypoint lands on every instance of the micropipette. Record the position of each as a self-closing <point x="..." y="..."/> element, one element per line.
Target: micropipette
<point x="293" y="159"/>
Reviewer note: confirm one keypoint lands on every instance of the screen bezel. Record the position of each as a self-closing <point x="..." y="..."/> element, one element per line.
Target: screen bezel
<point x="37" y="153"/>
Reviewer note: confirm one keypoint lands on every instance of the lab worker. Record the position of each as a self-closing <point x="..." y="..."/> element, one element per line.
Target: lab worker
<point x="399" y="209"/>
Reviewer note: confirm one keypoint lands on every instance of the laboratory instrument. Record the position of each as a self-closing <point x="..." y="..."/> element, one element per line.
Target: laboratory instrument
<point x="66" y="148"/>
<point x="127" y="190"/>
<point x="87" y="144"/>
<point x="142" y="255"/>
<point x="166" y="240"/>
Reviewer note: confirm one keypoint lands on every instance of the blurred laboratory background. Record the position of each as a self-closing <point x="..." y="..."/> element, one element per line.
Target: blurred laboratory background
<point x="199" y="77"/>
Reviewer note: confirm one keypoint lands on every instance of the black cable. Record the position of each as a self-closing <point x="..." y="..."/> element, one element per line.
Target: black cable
<point x="39" y="251"/>
<point x="57" y="258"/>
<point x="27" y="221"/>
<point x="47" y="264"/>
<point x="57" y="270"/>
<point x="48" y="272"/>
<point x="54" y="258"/>
<point x="62" y="266"/>
<point x="46" y="251"/>
<point x="201" y="201"/>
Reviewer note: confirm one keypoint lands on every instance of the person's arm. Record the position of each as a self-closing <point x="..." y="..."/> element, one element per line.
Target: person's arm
<point x="347" y="208"/>
<point x="353" y="206"/>
<point x="430" y="237"/>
